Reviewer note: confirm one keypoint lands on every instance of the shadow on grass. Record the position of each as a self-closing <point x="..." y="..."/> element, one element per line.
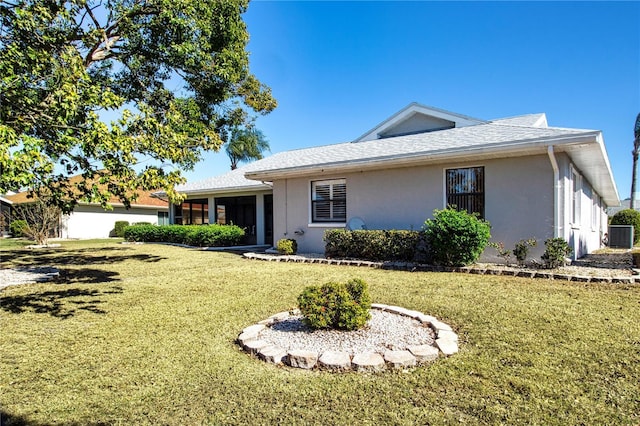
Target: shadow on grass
<point x="58" y="303"/>
<point x="86" y="256"/>
<point x="86" y="276"/>
<point x="7" y="419"/>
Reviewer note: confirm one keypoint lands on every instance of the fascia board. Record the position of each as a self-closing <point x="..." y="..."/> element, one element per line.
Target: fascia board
<point x="227" y="190"/>
<point x="120" y="205"/>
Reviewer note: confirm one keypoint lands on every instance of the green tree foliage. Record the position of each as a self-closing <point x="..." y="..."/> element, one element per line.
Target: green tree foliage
<point x="174" y="74"/>
<point x="245" y="144"/>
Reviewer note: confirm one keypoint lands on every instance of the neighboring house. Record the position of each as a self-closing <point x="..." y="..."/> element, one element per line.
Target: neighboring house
<point x="526" y="178"/>
<point x="5" y="216"/>
<point x="90" y="220"/>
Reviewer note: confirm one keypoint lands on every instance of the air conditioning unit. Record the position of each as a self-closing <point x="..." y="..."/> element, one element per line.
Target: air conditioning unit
<point x="621" y="236"/>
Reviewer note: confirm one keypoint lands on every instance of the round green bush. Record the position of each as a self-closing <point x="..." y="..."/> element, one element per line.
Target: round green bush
<point x="456" y="237"/>
<point x="118" y="229"/>
<point x="287" y="246"/>
<point x="628" y="217"/>
<point x="336" y="305"/>
<point x="17" y="227"/>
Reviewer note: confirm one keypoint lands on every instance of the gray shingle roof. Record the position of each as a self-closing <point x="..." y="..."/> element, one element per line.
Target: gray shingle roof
<point x="522" y="135"/>
<point x="422" y="144"/>
<point x="529" y="120"/>
<point x="232" y="180"/>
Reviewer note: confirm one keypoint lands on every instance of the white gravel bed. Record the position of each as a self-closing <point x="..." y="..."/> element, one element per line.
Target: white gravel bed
<point x="384" y="331"/>
<point x="26" y="275"/>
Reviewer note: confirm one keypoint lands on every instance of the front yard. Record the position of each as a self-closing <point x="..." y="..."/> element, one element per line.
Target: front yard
<point x="145" y="334"/>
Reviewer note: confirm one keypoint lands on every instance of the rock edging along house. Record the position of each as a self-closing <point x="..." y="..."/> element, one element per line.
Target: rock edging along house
<point x="527" y="179"/>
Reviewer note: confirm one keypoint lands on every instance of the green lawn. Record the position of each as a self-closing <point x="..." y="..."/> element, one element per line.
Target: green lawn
<point x="145" y="334"/>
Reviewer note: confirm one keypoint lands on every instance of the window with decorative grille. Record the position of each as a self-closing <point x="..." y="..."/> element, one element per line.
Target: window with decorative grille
<point x="465" y="189"/>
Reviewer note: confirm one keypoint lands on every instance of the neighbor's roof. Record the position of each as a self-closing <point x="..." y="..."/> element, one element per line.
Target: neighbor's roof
<point x="145" y="198"/>
<point x="515" y="136"/>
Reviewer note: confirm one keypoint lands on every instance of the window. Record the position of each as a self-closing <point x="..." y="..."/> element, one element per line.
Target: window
<point x="576" y="194"/>
<point x="595" y="212"/>
<point x="329" y="200"/>
<point x="465" y="189"/>
<point x="163" y="218"/>
<point x="192" y="212"/>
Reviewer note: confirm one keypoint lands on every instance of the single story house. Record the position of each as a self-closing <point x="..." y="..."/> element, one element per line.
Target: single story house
<point x="5" y="216"/>
<point x="90" y="220"/>
<point x="527" y="179"/>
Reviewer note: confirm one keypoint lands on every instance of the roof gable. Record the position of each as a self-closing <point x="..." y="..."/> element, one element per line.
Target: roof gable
<point x="529" y="120"/>
<point x="417" y="118"/>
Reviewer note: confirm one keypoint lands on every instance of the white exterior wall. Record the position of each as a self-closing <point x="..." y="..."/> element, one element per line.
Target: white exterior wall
<point x="95" y="222"/>
<point x="518" y="200"/>
<point x="585" y="230"/>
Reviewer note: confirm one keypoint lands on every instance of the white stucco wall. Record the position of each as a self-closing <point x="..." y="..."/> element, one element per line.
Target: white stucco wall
<point x="95" y="222"/>
<point x="518" y="200"/>
<point x="585" y="231"/>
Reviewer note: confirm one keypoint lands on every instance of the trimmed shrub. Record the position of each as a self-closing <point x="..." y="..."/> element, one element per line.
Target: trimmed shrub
<point x="455" y="237"/>
<point x="287" y="246"/>
<point x="196" y="235"/>
<point x="375" y="245"/>
<point x="336" y="305"/>
<point x="503" y="252"/>
<point x="521" y="250"/>
<point x="628" y="217"/>
<point x="17" y="228"/>
<point x="118" y="229"/>
<point x="557" y="249"/>
<point x="214" y="235"/>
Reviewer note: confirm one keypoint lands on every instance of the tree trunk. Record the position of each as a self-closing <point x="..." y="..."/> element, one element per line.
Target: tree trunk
<point x="633" y="180"/>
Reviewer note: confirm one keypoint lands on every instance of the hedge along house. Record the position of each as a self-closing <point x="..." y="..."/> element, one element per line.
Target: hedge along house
<point x="527" y="179"/>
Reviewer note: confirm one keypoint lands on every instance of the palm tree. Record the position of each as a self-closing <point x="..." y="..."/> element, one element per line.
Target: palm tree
<point x="635" y="152"/>
<point x="245" y="144"/>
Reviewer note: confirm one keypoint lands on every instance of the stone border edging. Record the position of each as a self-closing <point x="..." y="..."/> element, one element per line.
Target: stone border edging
<point x="413" y="267"/>
<point x="446" y="342"/>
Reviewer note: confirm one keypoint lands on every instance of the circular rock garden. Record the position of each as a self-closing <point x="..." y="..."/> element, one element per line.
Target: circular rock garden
<point x="394" y="338"/>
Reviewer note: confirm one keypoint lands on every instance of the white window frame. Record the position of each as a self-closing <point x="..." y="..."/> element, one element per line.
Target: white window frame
<point x="595" y="212"/>
<point x="576" y="197"/>
<point x="330" y="223"/>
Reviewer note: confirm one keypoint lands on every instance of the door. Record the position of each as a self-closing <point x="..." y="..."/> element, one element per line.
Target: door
<point x="268" y="219"/>
<point x="240" y="211"/>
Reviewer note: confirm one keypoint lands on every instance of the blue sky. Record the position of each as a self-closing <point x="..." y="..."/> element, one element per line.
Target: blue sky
<point x="339" y="68"/>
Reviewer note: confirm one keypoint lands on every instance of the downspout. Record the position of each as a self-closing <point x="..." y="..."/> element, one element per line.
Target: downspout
<point x="286" y="207"/>
<point x="556" y="192"/>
